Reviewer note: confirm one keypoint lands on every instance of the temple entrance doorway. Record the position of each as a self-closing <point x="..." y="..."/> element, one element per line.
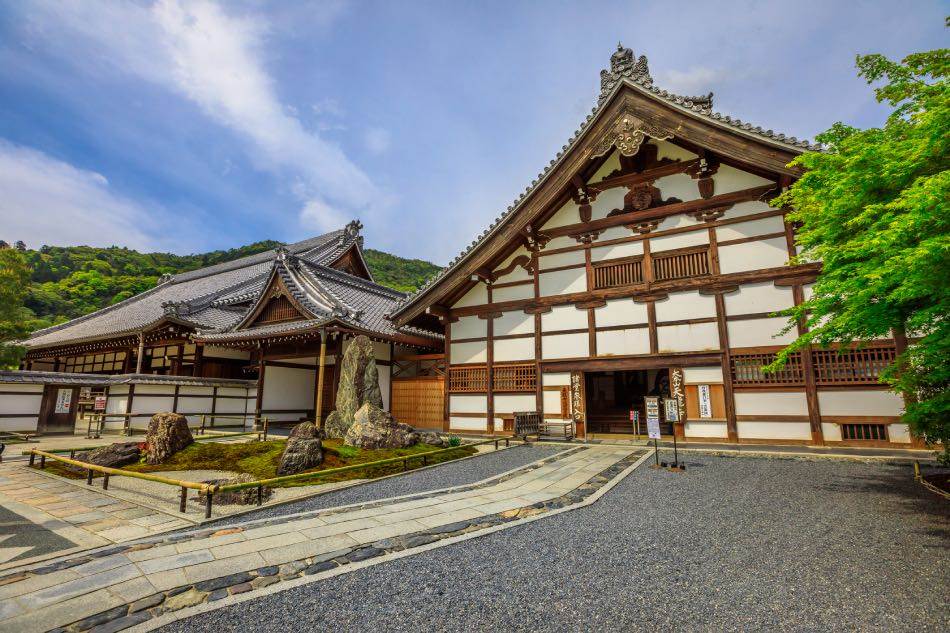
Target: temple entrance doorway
<point x="612" y="395"/>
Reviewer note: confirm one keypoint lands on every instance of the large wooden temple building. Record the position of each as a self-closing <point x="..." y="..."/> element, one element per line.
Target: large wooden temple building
<point x="645" y="261"/>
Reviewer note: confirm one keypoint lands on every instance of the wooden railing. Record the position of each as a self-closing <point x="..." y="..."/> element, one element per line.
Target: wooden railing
<point x="468" y="379"/>
<point x="624" y="272"/>
<point x="747" y="370"/>
<point x="520" y="377"/>
<point x="682" y="264"/>
<point x="853" y="366"/>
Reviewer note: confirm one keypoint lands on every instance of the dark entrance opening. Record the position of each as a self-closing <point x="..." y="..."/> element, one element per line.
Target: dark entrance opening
<point x="611" y="395"/>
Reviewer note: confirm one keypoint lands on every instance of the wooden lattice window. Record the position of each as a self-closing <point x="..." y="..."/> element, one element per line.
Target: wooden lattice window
<point x="520" y="377"/>
<point x="681" y="265"/>
<point x="618" y="272"/>
<point x="852" y="366"/>
<point x="864" y="432"/>
<point x="468" y="379"/>
<point x="747" y="369"/>
<point x="277" y="310"/>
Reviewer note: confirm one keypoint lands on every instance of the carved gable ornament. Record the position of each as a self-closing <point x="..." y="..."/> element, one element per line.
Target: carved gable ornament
<point x="627" y="134"/>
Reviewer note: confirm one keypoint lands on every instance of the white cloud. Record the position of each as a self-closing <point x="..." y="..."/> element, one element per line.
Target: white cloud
<point x="47" y="201"/>
<point x="321" y="217"/>
<point x="377" y="140"/>
<point x="216" y="59"/>
<point x="328" y="107"/>
<point x="694" y="81"/>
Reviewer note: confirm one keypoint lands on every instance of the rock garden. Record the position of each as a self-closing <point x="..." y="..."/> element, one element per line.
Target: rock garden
<point x="358" y="431"/>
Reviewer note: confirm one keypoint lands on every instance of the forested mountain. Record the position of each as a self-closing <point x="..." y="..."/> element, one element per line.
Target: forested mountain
<point x="70" y="281"/>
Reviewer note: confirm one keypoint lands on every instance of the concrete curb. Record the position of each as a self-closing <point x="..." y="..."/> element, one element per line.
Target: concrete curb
<point x="182" y="614"/>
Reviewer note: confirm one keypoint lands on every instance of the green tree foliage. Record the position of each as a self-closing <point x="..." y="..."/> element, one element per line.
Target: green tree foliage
<point x="68" y="282"/>
<point x="874" y="210"/>
<point x="14" y="277"/>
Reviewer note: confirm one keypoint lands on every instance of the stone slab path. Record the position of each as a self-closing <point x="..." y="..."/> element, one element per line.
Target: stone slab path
<point x="123" y="586"/>
<point x="82" y="517"/>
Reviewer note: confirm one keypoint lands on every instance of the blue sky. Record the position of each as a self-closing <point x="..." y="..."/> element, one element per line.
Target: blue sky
<point x="190" y="125"/>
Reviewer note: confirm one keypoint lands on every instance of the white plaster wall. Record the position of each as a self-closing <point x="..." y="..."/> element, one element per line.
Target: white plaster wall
<point x="288" y="388"/>
<point x="688" y="337"/>
<point x="771" y="253"/>
<point x="25" y="423"/>
<point x="551" y="402"/>
<point x="863" y="402"/>
<point x="679" y="240"/>
<point x="680" y="186"/>
<point x="665" y="149"/>
<point x="510" y="403"/>
<point x="623" y="342"/>
<point x="564" y="241"/>
<point x="154" y="389"/>
<point x="706" y="429"/>
<point x="899" y="433"/>
<point x="477" y="296"/>
<point x="22" y="387"/>
<point x="186" y="390"/>
<point x="225" y="352"/>
<point x="519" y="273"/>
<point x="729" y="179"/>
<point x="468" y="424"/>
<point x="611" y="233"/>
<point x="759" y="332"/>
<point x="563" y="318"/>
<point x="512" y="293"/>
<point x="767" y="430"/>
<point x="771" y="403"/>
<point x="151" y="405"/>
<point x="116" y="402"/>
<point x="711" y="374"/>
<point x="232" y="406"/>
<point x="565" y="346"/>
<point x="620" y="312"/>
<point x="758" y="297"/>
<point x="610" y="165"/>
<point x="555" y="260"/>
<point x="565" y="215"/>
<point x="469" y="327"/>
<point x="751" y="207"/>
<point x="514" y="322"/>
<point x="685" y="305"/>
<point x="562" y="282"/>
<point x="193" y="404"/>
<point x="606" y="202"/>
<point x="831" y="432"/>
<point x="752" y="228"/>
<point x="461" y="353"/>
<point x="514" y="349"/>
<point x="616" y="251"/>
<point x="557" y="379"/>
<point x="236" y="391"/>
<point x="468" y="403"/>
<point x="25" y="402"/>
<point x="385" y="374"/>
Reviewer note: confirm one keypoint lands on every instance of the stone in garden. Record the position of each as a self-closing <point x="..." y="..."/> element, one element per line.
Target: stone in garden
<point x="375" y="428"/>
<point x="304" y="450"/>
<point x="359" y="384"/>
<point x="167" y="434"/>
<point x="113" y="455"/>
<point x="431" y="438"/>
<point x="244" y="497"/>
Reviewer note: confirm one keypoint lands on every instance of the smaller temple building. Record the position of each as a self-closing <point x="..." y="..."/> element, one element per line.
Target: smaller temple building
<point x="255" y="337"/>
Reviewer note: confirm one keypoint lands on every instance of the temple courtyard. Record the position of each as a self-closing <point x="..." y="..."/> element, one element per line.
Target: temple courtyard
<point x="538" y="537"/>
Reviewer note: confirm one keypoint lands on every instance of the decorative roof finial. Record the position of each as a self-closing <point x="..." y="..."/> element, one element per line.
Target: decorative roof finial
<point x="353" y="228"/>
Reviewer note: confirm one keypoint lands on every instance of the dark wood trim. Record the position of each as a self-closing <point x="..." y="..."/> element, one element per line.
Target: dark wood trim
<point x="560" y="268"/>
<point x="582" y="330"/>
<point x="772" y="418"/>
<point x="505" y="337"/>
<point x="490" y="363"/>
<point x="538" y="396"/>
<point x="862" y="419"/>
<point x="687" y="321"/>
<point x="261" y="368"/>
<point x="651" y="323"/>
<point x="754" y="238"/>
<point x="646" y="176"/>
<point x="632" y="326"/>
<point x="727" y="387"/>
<point x="644" y="361"/>
<point x="752" y="316"/>
<point x="808" y="369"/>
<point x="511" y="284"/>
<point x="591" y="332"/>
<point x="586" y="305"/>
<point x="539" y="310"/>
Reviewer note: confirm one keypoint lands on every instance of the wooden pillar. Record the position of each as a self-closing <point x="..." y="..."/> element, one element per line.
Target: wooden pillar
<point x="318" y="400"/>
<point x="138" y="361"/>
<point x="490" y="386"/>
<point x="808" y="369"/>
<point x="261" y="366"/>
<point x="199" y="358"/>
<point x="727" y="391"/>
<point x="446" y="394"/>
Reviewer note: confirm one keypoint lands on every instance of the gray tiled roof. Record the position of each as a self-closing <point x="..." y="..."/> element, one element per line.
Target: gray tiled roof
<point x="62" y="378"/>
<point x="208" y="298"/>
<point x="624" y="69"/>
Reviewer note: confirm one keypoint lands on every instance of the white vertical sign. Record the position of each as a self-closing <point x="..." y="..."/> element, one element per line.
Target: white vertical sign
<point x="653" y="417"/>
<point x="64" y="398"/>
<point x="705" y="405"/>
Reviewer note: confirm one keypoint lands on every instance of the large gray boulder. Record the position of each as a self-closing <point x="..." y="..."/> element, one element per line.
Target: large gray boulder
<point x="359" y="385"/>
<point x="167" y="434"/>
<point x="304" y="450"/>
<point x="431" y="438"/>
<point x="113" y="455"/>
<point x="374" y="428"/>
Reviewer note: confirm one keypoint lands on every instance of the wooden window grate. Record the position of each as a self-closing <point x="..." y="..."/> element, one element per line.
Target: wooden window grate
<point x="852" y="366"/>
<point x="864" y="432"/>
<point x="611" y="274"/>
<point x="279" y="309"/>
<point x="468" y="379"/>
<point x="521" y="377"/>
<point x="694" y="263"/>
<point x="747" y="369"/>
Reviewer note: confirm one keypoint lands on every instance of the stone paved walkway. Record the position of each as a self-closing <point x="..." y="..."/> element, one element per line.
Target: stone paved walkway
<point x="81" y="517"/>
<point x="127" y="585"/>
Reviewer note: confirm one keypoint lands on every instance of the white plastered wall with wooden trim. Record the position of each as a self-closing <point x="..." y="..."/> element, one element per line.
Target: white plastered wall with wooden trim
<point x="561" y="282"/>
<point x="468" y="404"/>
<point x="759" y="332"/>
<point x="551" y="398"/>
<point x="699" y="428"/>
<point x="20" y="406"/>
<point x="514" y="349"/>
<point x="288" y="392"/>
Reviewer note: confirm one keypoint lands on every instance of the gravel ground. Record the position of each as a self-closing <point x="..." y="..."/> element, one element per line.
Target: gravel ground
<point x="732" y="544"/>
<point x="443" y="476"/>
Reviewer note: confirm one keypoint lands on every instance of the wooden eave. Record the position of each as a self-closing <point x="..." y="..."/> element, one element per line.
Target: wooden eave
<point x="273" y="282"/>
<point x="701" y="131"/>
<point x="355" y="255"/>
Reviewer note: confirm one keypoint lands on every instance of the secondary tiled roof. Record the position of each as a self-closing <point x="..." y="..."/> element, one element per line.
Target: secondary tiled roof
<point x="62" y="378"/>
<point x="624" y="70"/>
<point x="215" y="298"/>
